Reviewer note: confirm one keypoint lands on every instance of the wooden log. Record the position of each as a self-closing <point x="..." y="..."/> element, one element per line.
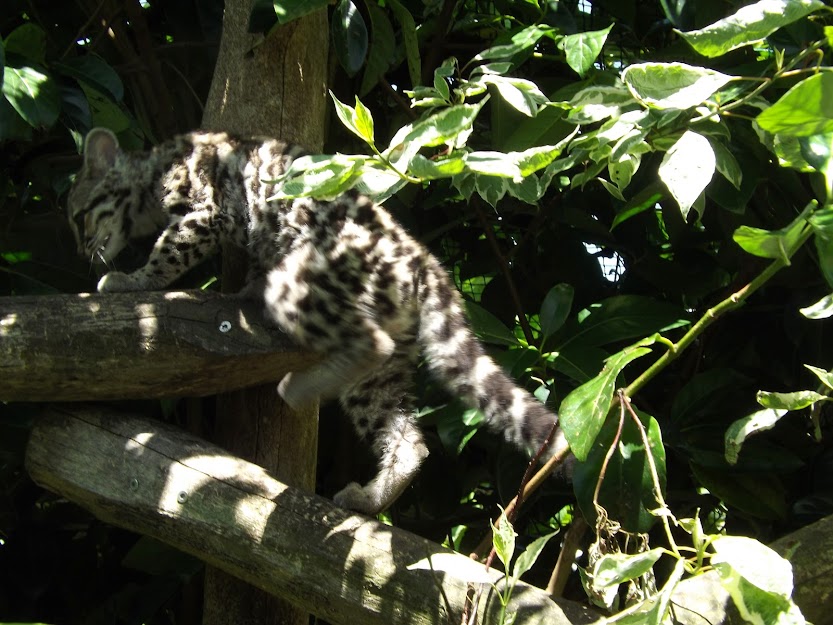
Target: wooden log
<point x="159" y="481"/>
<point x="137" y="345"/>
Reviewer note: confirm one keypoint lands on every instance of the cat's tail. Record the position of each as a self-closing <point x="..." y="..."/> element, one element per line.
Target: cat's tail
<point x="455" y="357"/>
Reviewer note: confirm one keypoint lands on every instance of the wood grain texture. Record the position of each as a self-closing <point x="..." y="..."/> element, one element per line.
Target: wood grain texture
<point x="137" y="345"/>
<point x="154" y="479"/>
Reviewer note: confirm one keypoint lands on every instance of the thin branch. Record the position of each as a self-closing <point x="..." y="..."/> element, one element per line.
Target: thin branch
<point x="504" y="268"/>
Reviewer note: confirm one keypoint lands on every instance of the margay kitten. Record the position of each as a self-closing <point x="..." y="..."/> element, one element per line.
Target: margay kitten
<point x="342" y="277"/>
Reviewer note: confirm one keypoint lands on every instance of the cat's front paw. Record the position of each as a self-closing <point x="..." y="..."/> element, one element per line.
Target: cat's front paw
<point x="355" y="497"/>
<point x="118" y="282"/>
<point x="297" y="390"/>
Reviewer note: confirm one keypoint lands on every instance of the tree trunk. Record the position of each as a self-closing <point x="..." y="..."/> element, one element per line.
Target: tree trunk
<point x="272" y="87"/>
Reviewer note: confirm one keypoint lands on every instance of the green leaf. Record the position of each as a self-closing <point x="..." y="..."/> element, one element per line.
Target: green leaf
<point x="727" y="164"/>
<point x="776" y="243"/>
<point x="104" y="111"/>
<point x="491" y="188"/>
<point x="672" y="85"/>
<point x="748" y="25"/>
<point x="826" y="377"/>
<point x="28" y="41"/>
<point x="755" y="562"/>
<point x="441" y="168"/>
<point x="759" y="495"/>
<point x="687" y="168"/>
<point x="599" y="102"/>
<point x="487" y="327"/>
<point x="503" y="537"/>
<point x="349" y="35"/>
<point x="583" y="411"/>
<point x="496" y="164"/>
<point x="33" y="94"/>
<point x="615" y="568"/>
<point x="364" y="121"/>
<point x="523" y="95"/>
<point x="737" y="433"/>
<point x="822" y="309"/>
<point x="755" y="605"/>
<point x="788" y="401"/>
<point x="382" y="48"/>
<point x="627" y="492"/>
<point x="288" y="10"/>
<point x="409" y="39"/>
<point x="438" y="129"/>
<point x="2" y="59"/>
<point x="321" y="176"/>
<point x="521" y="42"/>
<point x="582" y="49"/>
<point x="94" y="71"/>
<point x="555" y="308"/>
<point x="12" y="125"/>
<point x="530" y="555"/>
<point x="358" y="120"/>
<point x="806" y="109"/>
<point x="620" y="318"/>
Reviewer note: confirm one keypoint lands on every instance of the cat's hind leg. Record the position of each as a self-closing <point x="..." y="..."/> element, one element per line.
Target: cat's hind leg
<point x="323" y="316"/>
<point x="380" y="409"/>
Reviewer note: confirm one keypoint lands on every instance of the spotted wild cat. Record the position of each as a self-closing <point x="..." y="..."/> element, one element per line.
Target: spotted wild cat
<point x="341" y="277"/>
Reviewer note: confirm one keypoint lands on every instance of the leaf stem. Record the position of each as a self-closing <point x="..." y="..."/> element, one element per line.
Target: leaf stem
<point x="734" y="301"/>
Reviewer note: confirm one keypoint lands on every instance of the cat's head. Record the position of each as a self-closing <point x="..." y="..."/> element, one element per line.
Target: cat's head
<point x="95" y="204"/>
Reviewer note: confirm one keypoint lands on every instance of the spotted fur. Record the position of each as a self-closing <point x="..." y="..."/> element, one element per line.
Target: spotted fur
<point x="341" y="277"/>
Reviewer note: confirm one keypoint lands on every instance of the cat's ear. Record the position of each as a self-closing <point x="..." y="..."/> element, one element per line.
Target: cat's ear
<point x="100" y="150"/>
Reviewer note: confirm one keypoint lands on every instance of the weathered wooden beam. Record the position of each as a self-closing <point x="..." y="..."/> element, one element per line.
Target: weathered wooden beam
<point x="153" y="479"/>
<point x="137" y="345"/>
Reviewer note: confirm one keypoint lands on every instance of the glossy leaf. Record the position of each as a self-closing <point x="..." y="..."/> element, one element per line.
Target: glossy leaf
<point x="555" y="309"/>
<point x="27" y="41"/>
<point x="523" y="95"/>
<point x="94" y="71"/>
<point x="529" y="555"/>
<point x="616" y="568"/>
<point x="621" y="318"/>
<point x="822" y="309"/>
<point x="349" y="36"/>
<point x="757" y="563"/>
<point x="826" y="377"/>
<point x="740" y="430"/>
<point x="583" y="411"/>
<point x="33" y="94"/>
<point x="672" y="85"/>
<point x="441" y="168"/>
<point x="687" y="168"/>
<point x="772" y="244"/>
<point x="627" y="490"/>
<point x="789" y="401"/>
<point x="727" y="164"/>
<point x="487" y="327"/>
<point x="759" y="495"/>
<point x="806" y="109"/>
<point x="491" y="188"/>
<point x="582" y="49"/>
<point x="409" y="39"/>
<point x="382" y="48"/>
<point x="503" y="538"/>
<point x="521" y="42"/>
<point x="748" y="25"/>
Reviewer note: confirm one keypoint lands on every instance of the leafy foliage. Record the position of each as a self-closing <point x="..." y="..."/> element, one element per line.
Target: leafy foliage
<point x="626" y="192"/>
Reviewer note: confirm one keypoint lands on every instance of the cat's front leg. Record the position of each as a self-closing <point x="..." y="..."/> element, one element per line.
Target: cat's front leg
<point x="181" y="246"/>
<point x="118" y="282"/>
